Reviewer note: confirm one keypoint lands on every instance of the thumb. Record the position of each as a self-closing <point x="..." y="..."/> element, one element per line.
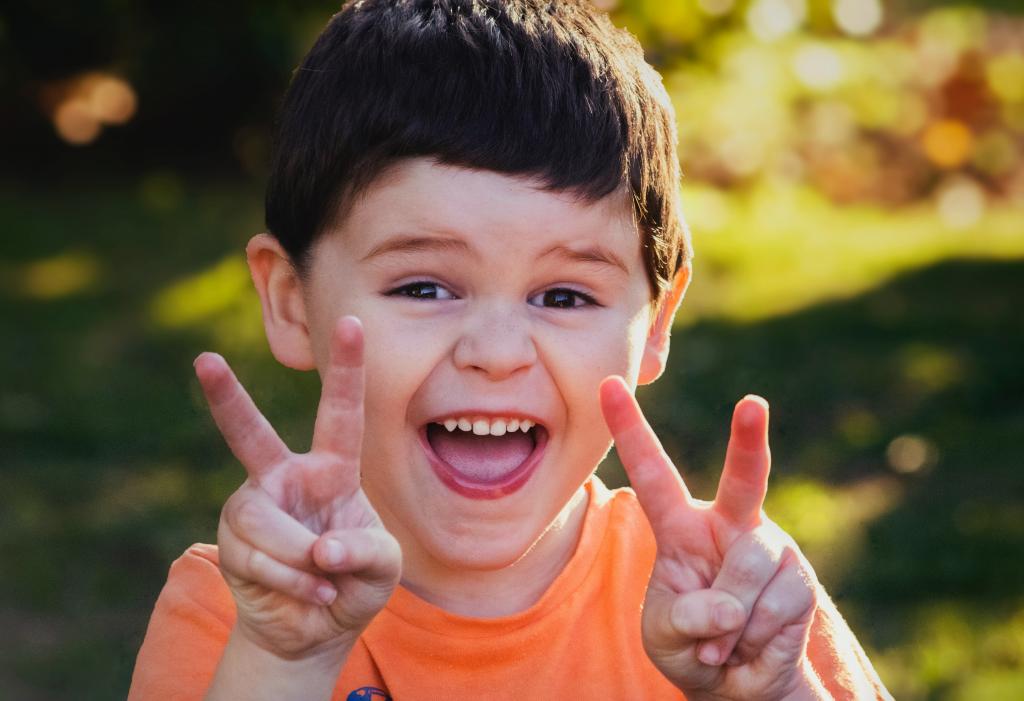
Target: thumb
<point x="678" y="621"/>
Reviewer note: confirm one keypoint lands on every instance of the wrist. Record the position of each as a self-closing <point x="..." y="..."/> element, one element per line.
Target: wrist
<point x="250" y="670"/>
<point x="807" y="686"/>
<point x="327" y="653"/>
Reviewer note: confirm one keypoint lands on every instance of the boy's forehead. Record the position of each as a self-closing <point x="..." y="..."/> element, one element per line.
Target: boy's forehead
<point x="421" y="196"/>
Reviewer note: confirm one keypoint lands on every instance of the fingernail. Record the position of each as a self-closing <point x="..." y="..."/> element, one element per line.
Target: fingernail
<point x="708" y="655"/>
<point x="334" y="551"/>
<point x="728" y="615"/>
<point x="757" y="398"/>
<point x="325" y="594"/>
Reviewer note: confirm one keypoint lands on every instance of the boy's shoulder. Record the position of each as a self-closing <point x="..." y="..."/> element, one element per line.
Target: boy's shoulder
<point x="622" y="507"/>
<point x="615" y="515"/>
<point x="199" y="555"/>
<point x="195" y="580"/>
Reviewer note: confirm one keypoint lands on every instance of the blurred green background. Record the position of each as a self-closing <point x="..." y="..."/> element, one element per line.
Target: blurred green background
<point x="854" y="179"/>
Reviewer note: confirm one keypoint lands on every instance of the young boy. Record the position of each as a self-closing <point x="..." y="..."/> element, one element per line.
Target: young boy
<point x="475" y="238"/>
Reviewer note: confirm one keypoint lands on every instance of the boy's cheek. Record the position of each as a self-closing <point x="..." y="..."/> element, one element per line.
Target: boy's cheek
<point x="617" y="351"/>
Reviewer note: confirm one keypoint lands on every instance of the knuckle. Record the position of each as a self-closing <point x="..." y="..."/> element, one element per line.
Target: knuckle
<point x="771" y="612"/>
<point x="809" y="598"/>
<point x="681" y="618"/>
<point x="388" y="547"/>
<point x="302" y="583"/>
<point x="257" y="564"/>
<point x="746" y="568"/>
<point x="247" y="515"/>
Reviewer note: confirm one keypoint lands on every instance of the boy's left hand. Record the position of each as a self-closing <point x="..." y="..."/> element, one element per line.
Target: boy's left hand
<point x="731" y="599"/>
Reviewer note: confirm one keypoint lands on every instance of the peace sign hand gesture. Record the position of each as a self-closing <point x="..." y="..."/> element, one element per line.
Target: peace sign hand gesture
<point x="731" y="599"/>
<point x="305" y="555"/>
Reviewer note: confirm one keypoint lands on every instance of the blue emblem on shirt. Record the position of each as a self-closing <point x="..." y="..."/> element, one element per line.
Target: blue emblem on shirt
<point x="368" y="693"/>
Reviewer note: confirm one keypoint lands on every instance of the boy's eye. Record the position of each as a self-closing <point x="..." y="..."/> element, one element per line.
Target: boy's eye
<point x="422" y="290"/>
<point x="564" y="298"/>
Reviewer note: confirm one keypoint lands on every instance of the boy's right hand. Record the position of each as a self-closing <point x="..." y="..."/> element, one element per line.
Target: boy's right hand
<point x="307" y="558"/>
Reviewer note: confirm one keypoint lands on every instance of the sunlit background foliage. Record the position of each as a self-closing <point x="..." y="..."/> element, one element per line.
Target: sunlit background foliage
<point x="855" y="185"/>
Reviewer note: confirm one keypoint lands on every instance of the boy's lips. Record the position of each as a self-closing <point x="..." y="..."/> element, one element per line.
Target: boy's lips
<point x="477" y="484"/>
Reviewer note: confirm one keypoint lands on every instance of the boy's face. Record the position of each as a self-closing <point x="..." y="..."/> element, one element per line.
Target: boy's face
<point x="499" y="323"/>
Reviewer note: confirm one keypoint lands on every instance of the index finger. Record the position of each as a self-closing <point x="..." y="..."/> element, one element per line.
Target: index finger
<point x="659" y="487"/>
<point x="744" y="481"/>
<point x="339" y="417"/>
<point x="248" y="433"/>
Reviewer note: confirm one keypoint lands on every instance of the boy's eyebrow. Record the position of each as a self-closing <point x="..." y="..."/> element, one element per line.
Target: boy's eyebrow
<point x="590" y="254"/>
<point x="413" y="244"/>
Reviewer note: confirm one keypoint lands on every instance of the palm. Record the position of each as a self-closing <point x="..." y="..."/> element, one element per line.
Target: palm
<point x="276" y="530"/>
<point x="710" y="552"/>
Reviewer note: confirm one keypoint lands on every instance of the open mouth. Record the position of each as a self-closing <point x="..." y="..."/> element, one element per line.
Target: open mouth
<point x="483" y="465"/>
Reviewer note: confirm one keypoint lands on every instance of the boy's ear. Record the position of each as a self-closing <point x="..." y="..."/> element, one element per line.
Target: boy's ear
<point x="656" y="350"/>
<point x="284" y="307"/>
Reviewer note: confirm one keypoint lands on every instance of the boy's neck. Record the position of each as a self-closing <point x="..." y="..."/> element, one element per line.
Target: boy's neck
<point x="503" y="592"/>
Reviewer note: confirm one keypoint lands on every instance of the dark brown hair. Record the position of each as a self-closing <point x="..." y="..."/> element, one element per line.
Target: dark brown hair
<point x="550" y="90"/>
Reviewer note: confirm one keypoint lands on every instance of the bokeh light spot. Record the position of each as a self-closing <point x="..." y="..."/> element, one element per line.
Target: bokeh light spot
<point x="1005" y="77"/>
<point x="960" y="202"/>
<point x="818" y="66"/>
<point x="996" y="153"/>
<point x="62" y="275"/>
<point x="112" y="100"/>
<point x="199" y="297"/>
<point x="859" y="427"/>
<point x="931" y="368"/>
<point x="770" y="20"/>
<point x="75" y="122"/>
<point x="857" y="17"/>
<point x="79" y="106"/>
<point x="909" y="453"/>
<point x="947" y="143"/>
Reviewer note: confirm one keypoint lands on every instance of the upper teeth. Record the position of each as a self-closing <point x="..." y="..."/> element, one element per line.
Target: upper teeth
<point x="482" y="426"/>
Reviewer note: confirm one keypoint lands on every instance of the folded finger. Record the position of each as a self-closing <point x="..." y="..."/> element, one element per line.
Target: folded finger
<point x="372" y="554"/>
<point x="255" y="518"/>
<point x="788" y="599"/>
<point x="243" y="565"/>
<point x="702" y="614"/>
<point x="247" y="432"/>
<point x="749" y="565"/>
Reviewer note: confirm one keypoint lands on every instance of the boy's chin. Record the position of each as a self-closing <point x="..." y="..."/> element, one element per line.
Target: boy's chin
<point x="481" y="554"/>
<point x="480" y="546"/>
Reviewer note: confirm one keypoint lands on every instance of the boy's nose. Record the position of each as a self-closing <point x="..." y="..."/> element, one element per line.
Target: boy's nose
<point x="495" y="343"/>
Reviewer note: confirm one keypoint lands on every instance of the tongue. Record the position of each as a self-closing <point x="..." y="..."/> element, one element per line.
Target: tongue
<point x="482" y="458"/>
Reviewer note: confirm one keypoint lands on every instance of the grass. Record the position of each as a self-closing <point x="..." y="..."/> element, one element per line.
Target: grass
<point x="888" y="346"/>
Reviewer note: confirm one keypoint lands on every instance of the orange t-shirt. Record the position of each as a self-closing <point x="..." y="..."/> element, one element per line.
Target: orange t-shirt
<point x="580" y="640"/>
